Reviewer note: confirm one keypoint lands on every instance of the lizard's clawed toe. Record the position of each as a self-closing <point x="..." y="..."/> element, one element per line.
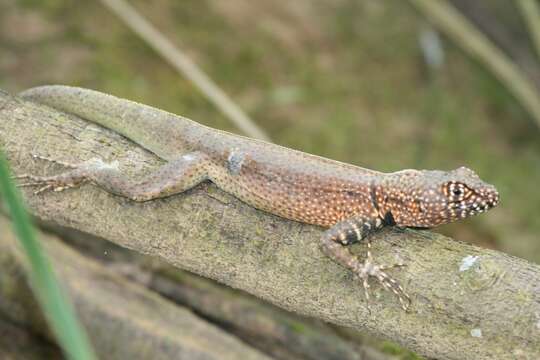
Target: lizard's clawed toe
<point x="53" y="183"/>
<point x="55" y="161"/>
<point x="368" y="268"/>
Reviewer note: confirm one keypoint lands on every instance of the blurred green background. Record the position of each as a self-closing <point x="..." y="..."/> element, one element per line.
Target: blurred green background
<point x="345" y="79"/>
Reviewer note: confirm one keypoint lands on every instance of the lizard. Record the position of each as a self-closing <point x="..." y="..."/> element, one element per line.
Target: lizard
<point x="350" y="202"/>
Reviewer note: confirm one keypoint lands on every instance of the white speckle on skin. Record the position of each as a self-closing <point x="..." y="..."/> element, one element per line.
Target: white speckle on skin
<point x="477" y="333"/>
<point x="188" y="157"/>
<point x="467" y="262"/>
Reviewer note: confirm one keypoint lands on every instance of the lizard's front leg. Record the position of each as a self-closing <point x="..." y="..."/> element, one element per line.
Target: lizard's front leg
<point x="174" y="177"/>
<point x="350" y="231"/>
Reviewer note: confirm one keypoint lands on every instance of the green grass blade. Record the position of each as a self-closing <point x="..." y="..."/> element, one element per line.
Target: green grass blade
<point x="58" y="310"/>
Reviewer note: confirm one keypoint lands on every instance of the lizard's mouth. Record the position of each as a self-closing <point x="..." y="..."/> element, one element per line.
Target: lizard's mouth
<point x="477" y="203"/>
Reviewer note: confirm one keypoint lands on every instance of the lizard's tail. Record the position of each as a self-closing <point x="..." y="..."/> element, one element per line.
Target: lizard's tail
<point x="154" y="129"/>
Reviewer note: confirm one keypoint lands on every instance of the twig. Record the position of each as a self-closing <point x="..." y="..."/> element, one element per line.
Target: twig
<point x="465" y="34"/>
<point x="531" y="13"/>
<point x="185" y="66"/>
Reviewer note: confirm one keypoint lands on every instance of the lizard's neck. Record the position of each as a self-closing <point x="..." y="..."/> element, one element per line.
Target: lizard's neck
<point x="397" y="203"/>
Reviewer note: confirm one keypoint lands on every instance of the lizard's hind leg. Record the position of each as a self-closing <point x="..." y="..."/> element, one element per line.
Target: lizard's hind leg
<point x="172" y="178"/>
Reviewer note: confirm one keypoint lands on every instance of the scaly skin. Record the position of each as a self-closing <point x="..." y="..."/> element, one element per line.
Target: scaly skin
<point x="352" y="201"/>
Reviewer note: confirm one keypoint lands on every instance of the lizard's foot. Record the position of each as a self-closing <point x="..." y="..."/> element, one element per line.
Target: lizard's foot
<point x="52" y="183"/>
<point x="75" y="177"/>
<point x="349" y="231"/>
<point x="368" y="268"/>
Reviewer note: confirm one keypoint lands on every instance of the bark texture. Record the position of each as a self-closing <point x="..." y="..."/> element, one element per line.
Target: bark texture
<point x="278" y="333"/>
<point x="17" y="343"/>
<point x="468" y="302"/>
<point x="123" y="320"/>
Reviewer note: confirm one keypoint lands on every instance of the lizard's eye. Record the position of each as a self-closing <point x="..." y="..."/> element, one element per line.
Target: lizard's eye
<point x="456" y="191"/>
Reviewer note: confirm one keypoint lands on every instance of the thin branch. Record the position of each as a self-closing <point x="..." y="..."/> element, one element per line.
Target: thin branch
<point x="468" y="302"/>
<point x="530" y="10"/>
<point x="471" y="40"/>
<point x="182" y="63"/>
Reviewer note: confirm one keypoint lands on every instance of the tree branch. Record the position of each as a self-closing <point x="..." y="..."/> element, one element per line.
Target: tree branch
<point x="489" y="308"/>
<point x="123" y="320"/>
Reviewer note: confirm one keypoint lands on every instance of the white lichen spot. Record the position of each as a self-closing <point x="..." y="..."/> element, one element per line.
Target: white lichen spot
<point x="477" y="333"/>
<point x="188" y="157"/>
<point x="467" y="262"/>
<point x="100" y="164"/>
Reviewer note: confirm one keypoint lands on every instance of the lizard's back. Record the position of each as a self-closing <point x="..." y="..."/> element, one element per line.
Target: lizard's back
<point x="286" y="182"/>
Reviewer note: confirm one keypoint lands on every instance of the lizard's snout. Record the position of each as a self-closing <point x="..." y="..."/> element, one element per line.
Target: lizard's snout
<point x="487" y="199"/>
<point x="492" y="197"/>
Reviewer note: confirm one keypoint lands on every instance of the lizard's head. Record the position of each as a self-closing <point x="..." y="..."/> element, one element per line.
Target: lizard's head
<point x="427" y="198"/>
